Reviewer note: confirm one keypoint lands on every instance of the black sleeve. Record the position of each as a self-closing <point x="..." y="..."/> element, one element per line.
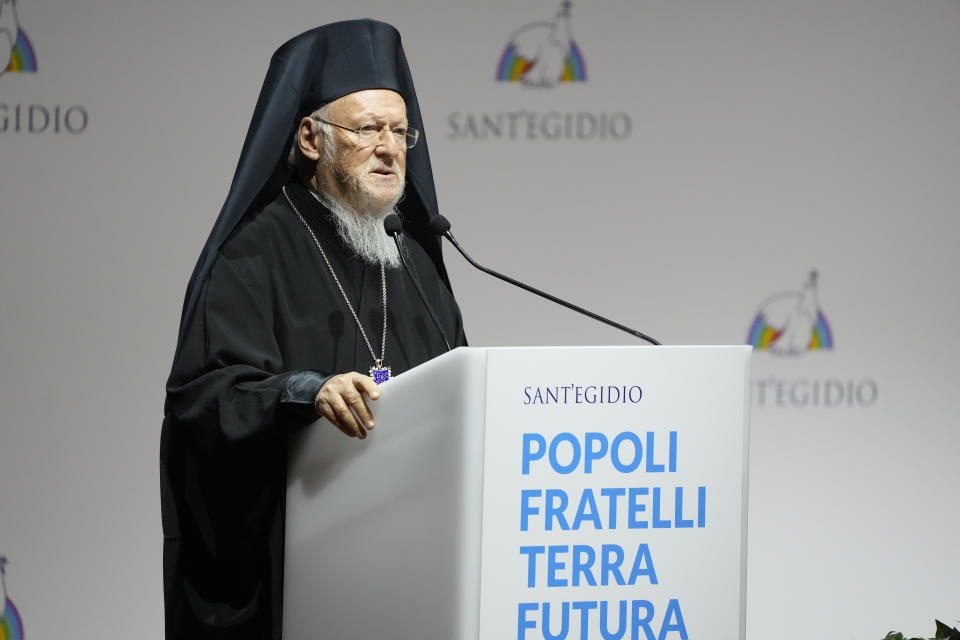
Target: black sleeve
<point x="460" y="337"/>
<point x="229" y="386"/>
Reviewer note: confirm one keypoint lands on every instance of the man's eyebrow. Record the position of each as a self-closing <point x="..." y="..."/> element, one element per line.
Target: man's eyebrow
<point x="370" y="115"/>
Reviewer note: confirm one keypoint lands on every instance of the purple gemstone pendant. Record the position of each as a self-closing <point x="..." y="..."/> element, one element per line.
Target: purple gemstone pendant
<point x="380" y="373"/>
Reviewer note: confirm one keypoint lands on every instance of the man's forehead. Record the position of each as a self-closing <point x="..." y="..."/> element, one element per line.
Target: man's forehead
<point x="379" y="102"/>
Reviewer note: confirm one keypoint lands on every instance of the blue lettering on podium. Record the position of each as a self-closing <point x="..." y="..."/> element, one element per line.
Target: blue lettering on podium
<point x="621" y="626"/>
<point x="701" y="507"/>
<point x="571" y="466"/>
<point x="529" y="452"/>
<point x="584" y="607"/>
<point x="536" y="620"/>
<point x="594" y="452"/>
<point x="555" y="565"/>
<point x="658" y="522"/>
<point x="583" y="558"/>
<point x="526" y="509"/>
<point x="615" y="458"/>
<point x="584" y="570"/>
<point x="556" y="504"/>
<point x="587" y="510"/>
<point x="634" y="507"/>
<point x="613" y="493"/>
<point x="564" y="621"/>
<point x="554" y="509"/>
<point x="678" y="521"/>
<point x="626" y="452"/>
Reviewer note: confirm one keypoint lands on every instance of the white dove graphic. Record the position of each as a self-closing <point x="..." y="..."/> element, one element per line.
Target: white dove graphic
<point x="543" y="46"/>
<point x="793" y="316"/>
<point x="9" y="29"/>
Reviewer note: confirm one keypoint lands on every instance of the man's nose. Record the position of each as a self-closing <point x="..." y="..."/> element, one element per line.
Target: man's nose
<point x="389" y="146"/>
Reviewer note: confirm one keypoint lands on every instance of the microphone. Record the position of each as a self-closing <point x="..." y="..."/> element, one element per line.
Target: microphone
<point x="393" y="226"/>
<point x="441" y="226"/>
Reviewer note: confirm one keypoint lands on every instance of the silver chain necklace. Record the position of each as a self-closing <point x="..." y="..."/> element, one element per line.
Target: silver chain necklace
<point x="379" y="372"/>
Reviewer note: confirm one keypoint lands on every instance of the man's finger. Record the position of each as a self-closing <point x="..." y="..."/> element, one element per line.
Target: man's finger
<point x="345" y="419"/>
<point x="357" y="402"/>
<point x="326" y="412"/>
<point x="366" y="385"/>
<point x="344" y="430"/>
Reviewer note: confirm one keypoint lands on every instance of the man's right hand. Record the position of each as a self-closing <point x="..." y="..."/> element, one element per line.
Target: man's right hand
<point x="343" y="399"/>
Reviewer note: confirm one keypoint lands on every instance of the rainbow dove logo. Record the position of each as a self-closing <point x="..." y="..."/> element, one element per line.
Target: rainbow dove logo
<point x="543" y="54"/>
<point x="16" y="51"/>
<point x="791" y="322"/>
<point x="11" y="626"/>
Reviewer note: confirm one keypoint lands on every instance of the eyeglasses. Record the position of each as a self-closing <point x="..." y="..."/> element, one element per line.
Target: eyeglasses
<point x="371" y="134"/>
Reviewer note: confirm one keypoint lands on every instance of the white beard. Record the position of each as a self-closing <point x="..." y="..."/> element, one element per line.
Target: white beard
<point x="363" y="232"/>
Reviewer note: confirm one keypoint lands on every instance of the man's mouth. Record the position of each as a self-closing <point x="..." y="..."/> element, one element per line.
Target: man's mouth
<point x="383" y="171"/>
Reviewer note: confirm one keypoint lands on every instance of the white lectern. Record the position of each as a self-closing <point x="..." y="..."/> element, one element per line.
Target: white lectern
<point x="529" y="493"/>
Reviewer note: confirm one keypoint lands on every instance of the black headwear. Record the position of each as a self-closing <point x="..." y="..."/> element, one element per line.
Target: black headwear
<point x="308" y="71"/>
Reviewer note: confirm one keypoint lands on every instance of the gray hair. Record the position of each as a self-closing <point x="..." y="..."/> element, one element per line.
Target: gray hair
<point x="295" y="157"/>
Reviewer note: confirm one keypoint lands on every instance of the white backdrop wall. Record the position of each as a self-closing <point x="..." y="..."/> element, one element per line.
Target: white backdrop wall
<point x="755" y="142"/>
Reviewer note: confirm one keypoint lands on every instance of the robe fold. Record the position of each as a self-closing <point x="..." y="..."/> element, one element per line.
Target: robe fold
<point x="269" y="327"/>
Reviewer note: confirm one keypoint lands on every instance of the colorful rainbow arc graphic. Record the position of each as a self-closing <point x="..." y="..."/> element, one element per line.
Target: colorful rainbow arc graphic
<point x="762" y="335"/>
<point x="11" y="626"/>
<point x="24" y="59"/>
<point x="512" y="66"/>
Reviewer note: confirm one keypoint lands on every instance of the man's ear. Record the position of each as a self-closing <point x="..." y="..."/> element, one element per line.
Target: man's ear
<point x="309" y="138"/>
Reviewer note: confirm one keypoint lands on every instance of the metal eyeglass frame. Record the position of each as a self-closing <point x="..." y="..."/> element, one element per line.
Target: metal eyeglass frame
<point x="411" y="135"/>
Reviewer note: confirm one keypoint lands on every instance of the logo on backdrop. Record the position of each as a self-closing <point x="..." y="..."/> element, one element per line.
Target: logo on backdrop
<point x="17" y="56"/>
<point x="543" y="54"/>
<point x="11" y="626"/>
<point x="16" y="51"/>
<point x="791" y="323"/>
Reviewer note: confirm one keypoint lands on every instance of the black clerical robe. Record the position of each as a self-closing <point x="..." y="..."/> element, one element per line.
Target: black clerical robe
<point x="269" y="327"/>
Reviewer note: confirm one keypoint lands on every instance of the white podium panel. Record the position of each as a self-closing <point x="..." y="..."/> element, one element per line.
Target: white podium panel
<point x="614" y="493"/>
<point x="383" y="534"/>
<point x="529" y="493"/>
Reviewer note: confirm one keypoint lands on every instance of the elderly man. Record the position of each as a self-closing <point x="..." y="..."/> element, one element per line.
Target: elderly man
<point x="297" y="291"/>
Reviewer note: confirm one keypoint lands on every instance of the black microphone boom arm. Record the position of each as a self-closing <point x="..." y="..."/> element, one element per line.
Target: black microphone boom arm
<point x="445" y="232"/>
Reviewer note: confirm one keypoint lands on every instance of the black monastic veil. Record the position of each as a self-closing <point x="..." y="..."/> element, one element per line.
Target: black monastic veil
<point x="263" y="325"/>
